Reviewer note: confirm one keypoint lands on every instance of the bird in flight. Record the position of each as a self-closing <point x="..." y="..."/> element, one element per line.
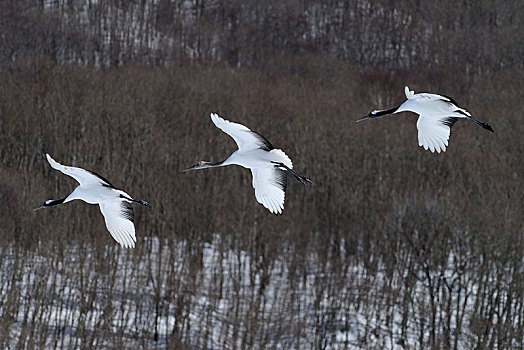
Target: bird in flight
<point x="269" y="166"/>
<point x="114" y="203"/>
<point x="437" y="114"/>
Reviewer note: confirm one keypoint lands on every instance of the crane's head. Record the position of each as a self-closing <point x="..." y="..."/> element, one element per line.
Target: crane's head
<point x="49" y="203"/>
<point x="372" y="114"/>
<point x="200" y="165"/>
<point x="381" y="112"/>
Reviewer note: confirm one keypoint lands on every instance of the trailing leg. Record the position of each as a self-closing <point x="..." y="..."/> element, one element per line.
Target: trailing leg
<point x="481" y="124"/>
<point x="144" y="203"/>
<point x="301" y="178"/>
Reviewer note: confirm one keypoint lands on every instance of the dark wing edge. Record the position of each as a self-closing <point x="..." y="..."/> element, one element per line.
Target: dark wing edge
<point x="105" y="182"/>
<point x="266" y="145"/>
<point x="449" y="100"/>
<point x="280" y="178"/>
<point x="450" y="121"/>
<point x="127" y="211"/>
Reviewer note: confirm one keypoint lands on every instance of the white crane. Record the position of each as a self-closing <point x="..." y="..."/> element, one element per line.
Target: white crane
<point x="114" y="203"/>
<point x="269" y="166"/>
<point x="437" y="113"/>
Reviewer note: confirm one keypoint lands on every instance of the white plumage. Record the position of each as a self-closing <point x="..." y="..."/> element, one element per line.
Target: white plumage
<point x="270" y="185"/>
<point x="433" y="133"/>
<point x="437" y="114"/>
<point x="269" y="166"/>
<point x="114" y="203"/>
<point x="119" y="218"/>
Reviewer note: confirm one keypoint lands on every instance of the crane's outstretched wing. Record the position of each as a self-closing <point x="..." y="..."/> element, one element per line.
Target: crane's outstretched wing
<point x="433" y="133"/>
<point x="409" y="93"/>
<point x="431" y="98"/>
<point x="270" y="187"/>
<point x="119" y="219"/>
<point x="246" y="139"/>
<point x="84" y="177"/>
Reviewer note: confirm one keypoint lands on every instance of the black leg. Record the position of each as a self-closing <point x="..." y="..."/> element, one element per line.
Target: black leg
<point x="144" y="203"/>
<point x="481" y="124"/>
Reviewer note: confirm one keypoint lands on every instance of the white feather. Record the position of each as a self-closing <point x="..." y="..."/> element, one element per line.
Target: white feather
<point x="269" y="166"/>
<point x="409" y="94"/>
<point x="437" y="113"/>
<point x="433" y="133"/>
<point x="268" y="191"/>
<point x="246" y="139"/>
<point x="119" y="226"/>
<point x="82" y="176"/>
<point x="114" y="203"/>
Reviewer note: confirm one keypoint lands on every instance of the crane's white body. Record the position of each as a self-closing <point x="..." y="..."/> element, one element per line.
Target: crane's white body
<point x="254" y="153"/>
<point x="268" y="165"/>
<point x="94" y="193"/>
<point x="431" y="105"/>
<point x="433" y="110"/>
<point x="269" y="191"/>
<point x="114" y="203"/>
<point x="437" y="113"/>
<point x="258" y="158"/>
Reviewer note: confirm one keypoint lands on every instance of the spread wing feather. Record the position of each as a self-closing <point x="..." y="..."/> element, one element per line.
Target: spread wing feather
<point x="246" y="139"/>
<point x="434" y="133"/>
<point x="82" y="176"/>
<point x="119" y="219"/>
<point x="270" y="187"/>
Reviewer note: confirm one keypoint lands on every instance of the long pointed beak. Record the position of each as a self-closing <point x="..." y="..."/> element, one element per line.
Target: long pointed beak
<point x="188" y="169"/>
<point x="364" y="118"/>
<point x="40" y="207"/>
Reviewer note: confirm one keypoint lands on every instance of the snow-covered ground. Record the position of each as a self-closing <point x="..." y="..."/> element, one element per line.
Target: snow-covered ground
<point x="212" y="296"/>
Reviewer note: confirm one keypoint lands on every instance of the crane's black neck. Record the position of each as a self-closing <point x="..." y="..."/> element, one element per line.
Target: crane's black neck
<point x="211" y="164"/>
<point x="380" y="113"/>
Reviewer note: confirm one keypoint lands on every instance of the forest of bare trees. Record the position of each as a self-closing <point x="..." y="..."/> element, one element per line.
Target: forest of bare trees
<point x="394" y="247"/>
<point x="480" y="36"/>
